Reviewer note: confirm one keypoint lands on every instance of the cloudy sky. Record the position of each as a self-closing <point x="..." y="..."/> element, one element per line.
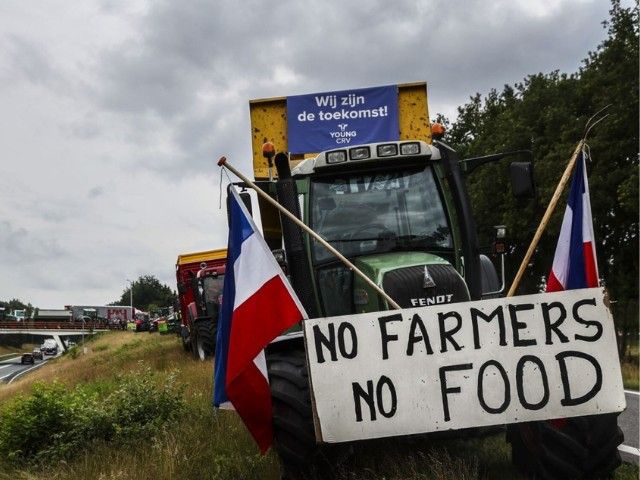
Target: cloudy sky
<point x="113" y="112"/>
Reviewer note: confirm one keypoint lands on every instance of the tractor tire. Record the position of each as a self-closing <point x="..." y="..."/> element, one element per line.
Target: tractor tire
<point x="573" y="448"/>
<point x="295" y="443"/>
<point x="204" y="341"/>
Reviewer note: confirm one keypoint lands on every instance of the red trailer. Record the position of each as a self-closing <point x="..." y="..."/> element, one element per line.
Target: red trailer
<point x="200" y="276"/>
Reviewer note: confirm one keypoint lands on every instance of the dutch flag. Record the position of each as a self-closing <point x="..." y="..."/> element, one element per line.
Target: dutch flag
<point x="258" y="304"/>
<point x="574" y="263"/>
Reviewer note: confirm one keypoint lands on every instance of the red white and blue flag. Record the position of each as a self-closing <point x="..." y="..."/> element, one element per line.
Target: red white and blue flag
<point x="574" y="263"/>
<point x="258" y="304"/>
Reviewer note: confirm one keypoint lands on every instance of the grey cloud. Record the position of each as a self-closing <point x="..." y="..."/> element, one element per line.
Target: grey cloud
<point x="192" y="65"/>
<point x="87" y="128"/>
<point x="95" y="192"/>
<point x="19" y="247"/>
<point x="29" y="59"/>
<point x="184" y="50"/>
<point x="172" y="96"/>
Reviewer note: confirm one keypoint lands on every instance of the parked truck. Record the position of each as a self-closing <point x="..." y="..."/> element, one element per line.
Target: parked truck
<point x="399" y="210"/>
<point x="200" y="276"/>
<point x="107" y="314"/>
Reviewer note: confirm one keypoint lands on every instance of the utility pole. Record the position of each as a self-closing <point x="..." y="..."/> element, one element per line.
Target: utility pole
<point x="131" y="297"/>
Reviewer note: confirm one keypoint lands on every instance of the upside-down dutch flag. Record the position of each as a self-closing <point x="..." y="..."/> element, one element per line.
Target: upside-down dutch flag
<point x="258" y="304"/>
<point x="574" y="263"/>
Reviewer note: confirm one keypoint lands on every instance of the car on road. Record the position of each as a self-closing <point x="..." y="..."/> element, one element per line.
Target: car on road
<point x="37" y="353"/>
<point x="27" y="358"/>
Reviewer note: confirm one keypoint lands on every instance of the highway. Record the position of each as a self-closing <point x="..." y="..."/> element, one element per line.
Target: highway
<point x="628" y="421"/>
<point x="11" y="368"/>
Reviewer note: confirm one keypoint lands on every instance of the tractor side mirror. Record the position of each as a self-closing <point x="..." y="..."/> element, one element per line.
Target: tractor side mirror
<point x="246" y="199"/>
<point x="244" y="196"/>
<point x="522" y="183"/>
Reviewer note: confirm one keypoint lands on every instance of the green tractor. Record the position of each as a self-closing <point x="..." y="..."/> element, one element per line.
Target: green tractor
<point x="399" y="211"/>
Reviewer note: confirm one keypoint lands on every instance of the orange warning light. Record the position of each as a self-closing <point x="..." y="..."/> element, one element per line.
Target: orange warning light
<point x="437" y="130"/>
<point x="268" y="150"/>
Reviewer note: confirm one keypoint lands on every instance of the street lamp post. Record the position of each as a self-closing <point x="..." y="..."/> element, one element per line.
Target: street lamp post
<point x="130" y="293"/>
<point x="133" y="316"/>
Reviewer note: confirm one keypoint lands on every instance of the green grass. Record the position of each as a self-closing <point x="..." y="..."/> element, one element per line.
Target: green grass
<point x="630" y="370"/>
<point x="10" y="351"/>
<point x="204" y="444"/>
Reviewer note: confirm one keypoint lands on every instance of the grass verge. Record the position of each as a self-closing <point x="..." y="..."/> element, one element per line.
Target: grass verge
<point x="630" y="370"/>
<point x="7" y="350"/>
<point x="204" y="444"/>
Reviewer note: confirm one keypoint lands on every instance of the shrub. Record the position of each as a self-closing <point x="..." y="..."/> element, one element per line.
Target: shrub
<point x="53" y="422"/>
<point x="28" y="424"/>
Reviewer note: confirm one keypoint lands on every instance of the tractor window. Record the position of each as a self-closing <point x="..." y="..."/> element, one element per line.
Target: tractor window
<point x="378" y="212"/>
<point x="335" y="287"/>
<point x="211" y="294"/>
<point x="212" y="288"/>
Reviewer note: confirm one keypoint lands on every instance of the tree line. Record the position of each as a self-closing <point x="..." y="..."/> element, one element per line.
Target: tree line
<point x="149" y="295"/>
<point x="547" y="114"/>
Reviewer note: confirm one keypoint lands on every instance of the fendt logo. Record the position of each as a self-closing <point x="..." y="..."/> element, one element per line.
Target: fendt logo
<point x="343" y="135"/>
<point x="436" y="300"/>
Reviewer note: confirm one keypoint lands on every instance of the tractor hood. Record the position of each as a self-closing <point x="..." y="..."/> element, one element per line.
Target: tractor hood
<point x="412" y="279"/>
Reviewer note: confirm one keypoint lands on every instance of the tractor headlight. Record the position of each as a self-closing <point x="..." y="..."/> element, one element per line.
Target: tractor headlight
<point x="337" y="156"/>
<point x="410" y="148"/>
<point x="387" y="150"/>
<point x="359" y="153"/>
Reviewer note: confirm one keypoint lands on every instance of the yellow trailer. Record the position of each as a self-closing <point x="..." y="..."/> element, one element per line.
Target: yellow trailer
<point x="269" y="124"/>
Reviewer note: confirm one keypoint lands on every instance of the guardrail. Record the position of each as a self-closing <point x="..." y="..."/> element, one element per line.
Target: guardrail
<point x="30" y="325"/>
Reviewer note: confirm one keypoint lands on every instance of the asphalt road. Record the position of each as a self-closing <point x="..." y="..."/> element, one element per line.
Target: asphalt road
<point x="11" y="368"/>
<point x="628" y="421"/>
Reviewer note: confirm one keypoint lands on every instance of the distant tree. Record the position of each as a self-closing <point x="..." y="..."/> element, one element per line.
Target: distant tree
<point x="547" y="114"/>
<point x="16" y="304"/>
<point x="147" y="292"/>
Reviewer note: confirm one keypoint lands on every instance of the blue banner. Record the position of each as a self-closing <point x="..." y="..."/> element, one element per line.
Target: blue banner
<point x="329" y="120"/>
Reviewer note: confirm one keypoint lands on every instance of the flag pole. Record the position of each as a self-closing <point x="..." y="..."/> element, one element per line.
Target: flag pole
<point x="545" y="219"/>
<point x="224" y="163"/>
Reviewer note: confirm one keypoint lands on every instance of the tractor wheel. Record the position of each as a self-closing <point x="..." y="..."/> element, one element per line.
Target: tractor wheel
<point x="204" y="343"/>
<point x="300" y="456"/>
<point x="572" y="448"/>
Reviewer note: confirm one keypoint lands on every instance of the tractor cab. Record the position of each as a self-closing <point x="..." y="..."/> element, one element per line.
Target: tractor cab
<point x="399" y="212"/>
<point x="203" y="310"/>
<point x="209" y="281"/>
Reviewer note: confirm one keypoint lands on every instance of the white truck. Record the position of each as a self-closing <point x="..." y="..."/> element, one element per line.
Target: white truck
<point x="49" y="347"/>
<point x="110" y="314"/>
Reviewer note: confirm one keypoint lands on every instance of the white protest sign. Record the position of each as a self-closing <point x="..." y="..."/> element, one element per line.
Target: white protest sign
<point x="481" y="363"/>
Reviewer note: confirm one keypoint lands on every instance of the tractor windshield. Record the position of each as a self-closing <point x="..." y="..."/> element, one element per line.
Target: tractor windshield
<point x="212" y="288"/>
<point x="362" y="214"/>
<point x="210" y="293"/>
